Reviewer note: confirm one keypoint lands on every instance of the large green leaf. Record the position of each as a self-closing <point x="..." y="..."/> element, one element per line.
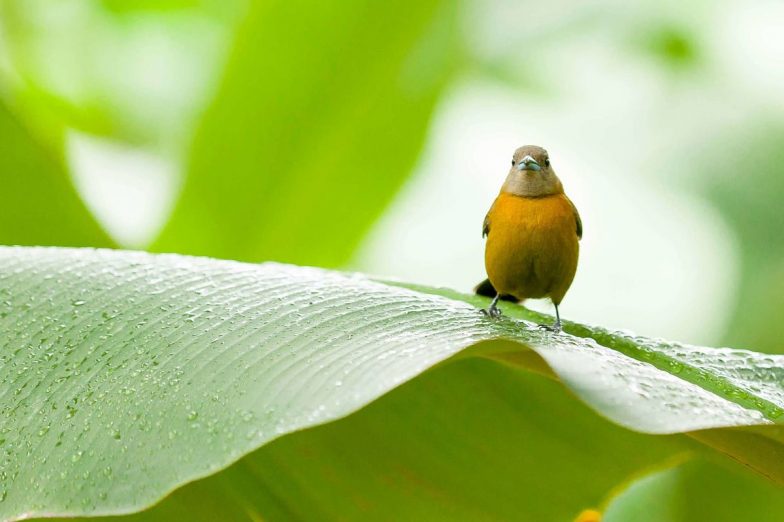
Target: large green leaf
<point x="39" y="205"/>
<point x="322" y="112"/>
<point x="472" y="440"/>
<point x="125" y="375"/>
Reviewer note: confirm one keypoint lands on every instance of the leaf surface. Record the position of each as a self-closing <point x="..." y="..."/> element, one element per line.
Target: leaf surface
<point x="125" y="375"/>
<point x="473" y="440"/>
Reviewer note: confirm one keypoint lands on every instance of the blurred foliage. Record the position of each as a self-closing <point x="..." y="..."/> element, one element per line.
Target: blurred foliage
<point x="744" y="178"/>
<point x="314" y="129"/>
<point x="39" y="204"/>
<point x="674" y="45"/>
<point x="157" y="6"/>
<point x="698" y="490"/>
<point x="267" y="152"/>
<point x="137" y="72"/>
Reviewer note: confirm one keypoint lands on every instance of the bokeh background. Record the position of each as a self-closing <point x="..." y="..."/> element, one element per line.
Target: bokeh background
<point x="373" y="136"/>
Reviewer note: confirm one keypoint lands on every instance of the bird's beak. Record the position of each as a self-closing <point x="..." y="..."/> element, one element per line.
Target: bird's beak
<point x="528" y="163"/>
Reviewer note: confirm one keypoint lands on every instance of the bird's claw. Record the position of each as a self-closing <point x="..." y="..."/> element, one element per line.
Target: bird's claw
<point x="492" y="312"/>
<point x="554" y="328"/>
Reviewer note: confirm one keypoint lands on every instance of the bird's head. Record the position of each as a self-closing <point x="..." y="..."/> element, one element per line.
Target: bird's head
<point x="531" y="174"/>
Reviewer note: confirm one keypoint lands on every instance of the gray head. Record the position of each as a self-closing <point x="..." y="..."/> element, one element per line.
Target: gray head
<point x="531" y="174"/>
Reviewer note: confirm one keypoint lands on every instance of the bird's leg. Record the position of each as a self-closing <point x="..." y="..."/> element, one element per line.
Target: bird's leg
<point x="492" y="310"/>
<point x="555" y="327"/>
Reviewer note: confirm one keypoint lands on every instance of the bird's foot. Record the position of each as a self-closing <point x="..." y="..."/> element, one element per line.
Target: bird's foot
<point x="555" y="327"/>
<point x="492" y="312"/>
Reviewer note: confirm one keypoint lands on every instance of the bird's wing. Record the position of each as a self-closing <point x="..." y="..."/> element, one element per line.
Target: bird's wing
<point x="486" y="223"/>
<point x="578" y="221"/>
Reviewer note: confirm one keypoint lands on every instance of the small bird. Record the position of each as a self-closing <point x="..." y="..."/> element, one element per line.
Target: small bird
<point x="533" y="232"/>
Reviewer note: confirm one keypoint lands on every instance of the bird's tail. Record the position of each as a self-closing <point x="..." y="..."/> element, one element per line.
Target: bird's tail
<point x="486" y="289"/>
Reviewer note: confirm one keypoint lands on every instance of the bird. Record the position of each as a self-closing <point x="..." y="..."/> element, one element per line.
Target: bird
<point x="533" y="231"/>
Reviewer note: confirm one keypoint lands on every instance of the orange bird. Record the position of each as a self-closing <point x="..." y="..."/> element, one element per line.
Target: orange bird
<point x="533" y="232"/>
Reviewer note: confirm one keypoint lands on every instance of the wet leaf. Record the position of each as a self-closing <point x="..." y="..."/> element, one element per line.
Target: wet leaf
<point x="473" y="440"/>
<point x="126" y="375"/>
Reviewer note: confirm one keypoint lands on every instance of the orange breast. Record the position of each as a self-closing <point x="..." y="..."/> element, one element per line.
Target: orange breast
<point x="532" y="246"/>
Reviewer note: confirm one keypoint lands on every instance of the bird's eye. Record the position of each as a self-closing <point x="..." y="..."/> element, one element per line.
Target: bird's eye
<point x="547" y="162"/>
<point x="513" y="163"/>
